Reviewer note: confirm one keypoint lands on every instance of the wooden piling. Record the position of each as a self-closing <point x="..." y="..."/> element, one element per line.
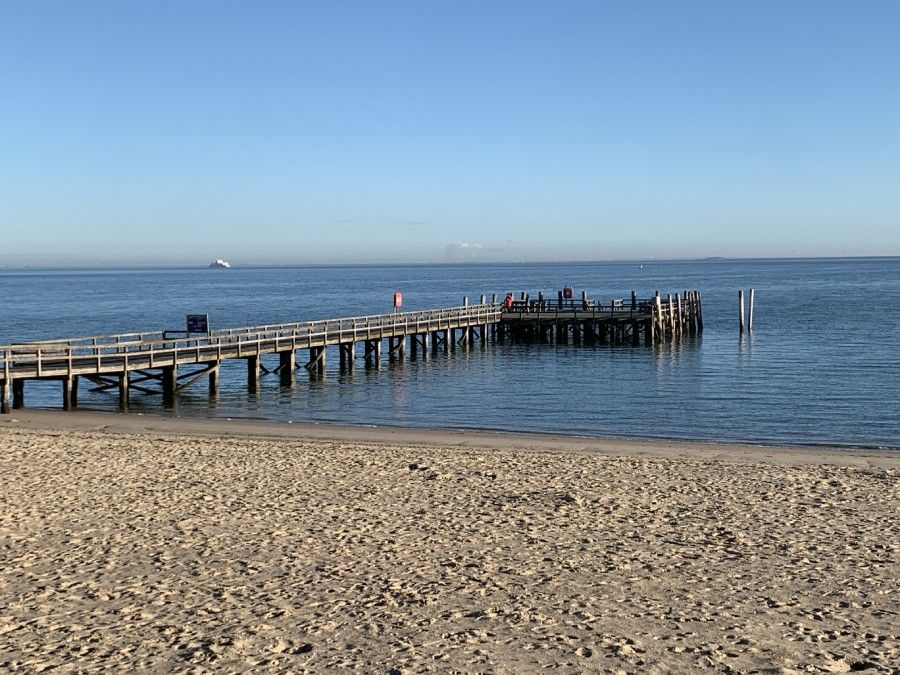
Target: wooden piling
<point x="18" y="393"/>
<point x="253" y="372"/>
<point x="169" y="383"/>
<point x="213" y="378"/>
<point x="699" y="311"/>
<point x="67" y="386"/>
<point x="679" y="322"/>
<point x="286" y="368"/>
<point x="124" y="381"/>
<point x="750" y="315"/>
<point x="5" y="386"/>
<point x="671" y="309"/>
<point x="741" y="310"/>
<point x="372" y="353"/>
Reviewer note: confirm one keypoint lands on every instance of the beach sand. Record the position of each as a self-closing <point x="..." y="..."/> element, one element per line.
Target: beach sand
<point x="142" y="543"/>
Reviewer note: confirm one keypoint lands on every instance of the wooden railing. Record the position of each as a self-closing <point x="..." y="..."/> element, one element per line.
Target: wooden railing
<point x="583" y="308"/>
<point x="52" y="357"/>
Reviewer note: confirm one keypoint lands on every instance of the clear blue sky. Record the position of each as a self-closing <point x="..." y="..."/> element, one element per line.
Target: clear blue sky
<point x="344" y="131"/>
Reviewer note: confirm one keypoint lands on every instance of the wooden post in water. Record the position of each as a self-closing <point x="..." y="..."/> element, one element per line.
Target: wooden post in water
<point x="750" y="316"/>
<point x="680" y="318"/>
<point x="671" y="309"/>
<point x="741" y="310"/>
<point x="67" y="393"/>
<point x="169" y="382"/>
<point x="253" y="372"/>
<point x="286" y="368"/>
<point x="18" y="393"/>
<point x="213" y="378"/>
<point x="699" y="311"/>
<point x="123" y="390"/>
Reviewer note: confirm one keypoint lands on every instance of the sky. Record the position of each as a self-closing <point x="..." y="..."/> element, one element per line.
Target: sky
<point x="292" y="132"/>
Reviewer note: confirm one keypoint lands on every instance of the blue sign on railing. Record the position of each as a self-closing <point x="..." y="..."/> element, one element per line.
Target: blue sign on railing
<point x="197" y="323"/>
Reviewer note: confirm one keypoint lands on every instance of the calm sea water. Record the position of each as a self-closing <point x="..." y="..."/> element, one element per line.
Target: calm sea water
<point x="822" y="365"/>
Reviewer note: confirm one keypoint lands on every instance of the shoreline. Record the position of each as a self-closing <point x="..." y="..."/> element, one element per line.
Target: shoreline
<point x="263" y="429"/>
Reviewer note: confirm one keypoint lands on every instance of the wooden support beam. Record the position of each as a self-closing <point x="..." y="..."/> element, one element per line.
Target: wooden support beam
<point x="699" y="311"/>
<point x="5" y="386"/>
<point x="286" y="368"/>
<point x="316" y="363"/>
<point x="750" y="315"/>
<point x="679" y="320"/>
<point x="18" y="393"/>
<point x="671" y="308"/>
<point x="169" y="384"/>
<point x="213" y="379"/>
<point x="372" y="353"/>
<point x="123" y="390"/>
<point x="741" y="310"/>
<point x="70" y="392"/>
<point x="252" y="371"/>
<point x="190" y="378"/>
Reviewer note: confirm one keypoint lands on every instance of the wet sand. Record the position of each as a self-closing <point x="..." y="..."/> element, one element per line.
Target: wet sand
<point x="143" y="543"/>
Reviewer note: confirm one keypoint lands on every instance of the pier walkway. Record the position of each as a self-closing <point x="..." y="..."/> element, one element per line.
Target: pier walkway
<point x="150" y="362"/>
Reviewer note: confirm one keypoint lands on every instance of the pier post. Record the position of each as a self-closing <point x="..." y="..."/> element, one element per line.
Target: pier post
<point x="671" y="316"/>
<point x="750" y="315"/>
<point x="396" y="347"/>
<point x="680" y="321"/>
<point x="316" y="363"/>
<point x="213" y="378"/>
<point x="659" y="330"/>
<point x="4" y="397"/>
<point x="372" y="353"/>
<point x="286" y="368"/>
<point x="253" y="372"/>
<point x="348" y="355"/>
<point x="493" y="298"/>
<point x="633" y="301"/>
<point x="169" y="382"/>
<point x="699" y="311"/>
<point x="124" y="381"/>
<point x="648" y="333"/>
<point x="741" y="310"/>
<point x="70" y="392"/>
<point x="18" y="393"/>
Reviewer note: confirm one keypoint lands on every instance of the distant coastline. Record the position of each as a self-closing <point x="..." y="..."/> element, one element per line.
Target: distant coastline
<point x="120" y="266"/>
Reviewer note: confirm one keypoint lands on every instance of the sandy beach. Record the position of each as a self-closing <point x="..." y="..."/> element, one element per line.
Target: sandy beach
<point x="145" y="543"/>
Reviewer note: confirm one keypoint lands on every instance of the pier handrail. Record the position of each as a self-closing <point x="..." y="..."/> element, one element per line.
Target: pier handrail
<point x="624" y="306"/>
<point x="353" y="328"/>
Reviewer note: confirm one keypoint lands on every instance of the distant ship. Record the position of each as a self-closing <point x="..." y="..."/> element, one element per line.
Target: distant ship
<point x="218" y="262"/>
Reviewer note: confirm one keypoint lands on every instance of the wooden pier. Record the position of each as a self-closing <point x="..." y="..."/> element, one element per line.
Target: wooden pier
<point x="154" y="363"/>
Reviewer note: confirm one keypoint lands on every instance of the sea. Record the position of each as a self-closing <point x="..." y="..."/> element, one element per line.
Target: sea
<point x="821" y="366"/>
